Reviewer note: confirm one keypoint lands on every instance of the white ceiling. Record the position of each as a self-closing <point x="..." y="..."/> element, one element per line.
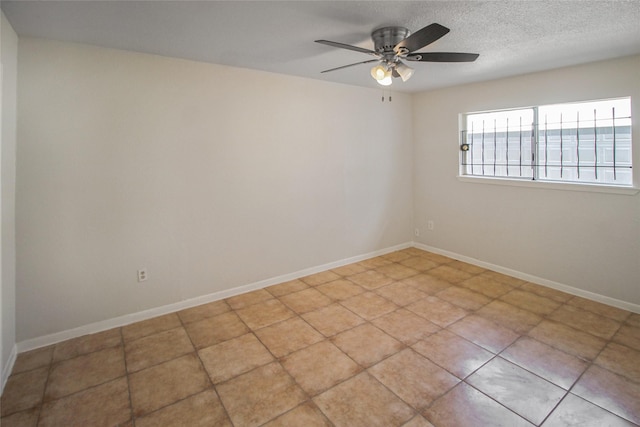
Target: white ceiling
<point x="512" y="37"/>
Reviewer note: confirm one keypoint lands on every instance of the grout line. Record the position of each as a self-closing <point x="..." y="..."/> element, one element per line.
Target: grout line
<point x="46" y="384"/>
<point x="126" y="371"/>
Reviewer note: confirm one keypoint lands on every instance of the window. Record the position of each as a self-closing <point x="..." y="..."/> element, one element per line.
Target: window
<point x="586" y="142"/>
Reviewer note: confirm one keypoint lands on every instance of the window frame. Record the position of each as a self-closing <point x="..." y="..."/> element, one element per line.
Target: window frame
<point x="535" y="181"/>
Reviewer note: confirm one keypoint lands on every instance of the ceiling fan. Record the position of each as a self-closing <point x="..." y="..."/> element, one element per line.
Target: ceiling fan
<point x="394" y="44"/>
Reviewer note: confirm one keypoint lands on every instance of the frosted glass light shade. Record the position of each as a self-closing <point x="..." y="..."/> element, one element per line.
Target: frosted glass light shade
<point x="380" y="72"/>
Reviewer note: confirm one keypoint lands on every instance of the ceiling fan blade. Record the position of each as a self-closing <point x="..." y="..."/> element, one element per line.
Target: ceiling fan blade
<point x="347" y="46"/>
<point x="350" y="65"/>
<point x="442" y="57"/>
<point x="422" y="38"/>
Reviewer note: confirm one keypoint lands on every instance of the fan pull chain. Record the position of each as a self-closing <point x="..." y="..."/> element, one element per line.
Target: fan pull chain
<point x="383" y="95"/>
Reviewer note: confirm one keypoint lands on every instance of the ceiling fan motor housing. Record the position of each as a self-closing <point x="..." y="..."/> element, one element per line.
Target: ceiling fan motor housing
<point x="385" y="39"/>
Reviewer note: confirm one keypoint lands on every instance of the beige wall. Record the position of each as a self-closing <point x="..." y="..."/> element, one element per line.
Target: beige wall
<point x="589" y="241"/>
<point x="208" y="176"/>
<point x="8" y="64"/>
<point x="214" y="177"/>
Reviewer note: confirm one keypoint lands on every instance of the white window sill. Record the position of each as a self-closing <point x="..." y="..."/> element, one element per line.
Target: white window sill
<point x="550" y="185"/>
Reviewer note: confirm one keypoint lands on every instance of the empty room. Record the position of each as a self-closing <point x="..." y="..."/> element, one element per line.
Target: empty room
<point x="320" y="213"/>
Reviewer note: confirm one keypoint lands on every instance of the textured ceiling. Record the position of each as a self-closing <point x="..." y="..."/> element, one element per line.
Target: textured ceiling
<point x="512" y="37"/>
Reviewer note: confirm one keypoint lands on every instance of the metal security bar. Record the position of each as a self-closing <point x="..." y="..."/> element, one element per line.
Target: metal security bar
<point x="497" y="147"/>
<point x="552" y="143"/>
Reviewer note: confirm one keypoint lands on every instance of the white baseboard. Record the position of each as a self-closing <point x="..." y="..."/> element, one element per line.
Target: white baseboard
<point x="534" y="279"/>
<point x="8" y="367"/>
<point x="104" y="325"/>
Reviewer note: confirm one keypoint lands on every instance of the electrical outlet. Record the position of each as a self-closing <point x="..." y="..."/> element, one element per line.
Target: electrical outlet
<point x="430" y="225"/>
<point x="417" y="232"/>
<point x="142" y="275"/>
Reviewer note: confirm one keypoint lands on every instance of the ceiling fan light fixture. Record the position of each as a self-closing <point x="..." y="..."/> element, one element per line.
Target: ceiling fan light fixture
<point x="405" y="71"/>
<point x="386" y="81"/>
<point x="380" y="72"/>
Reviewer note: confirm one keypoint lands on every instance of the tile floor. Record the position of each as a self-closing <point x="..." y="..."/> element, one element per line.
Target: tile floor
<point x="406" y="339"/>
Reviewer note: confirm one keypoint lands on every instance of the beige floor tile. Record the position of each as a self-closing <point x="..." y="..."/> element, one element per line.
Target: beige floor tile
<point x="320" y="367"/>
<point x="260" y="395"/>
<point x="349" y="270"/>
<point x="437" y="311"/>
<point x="553" y="365"/>
<point x="519" y="390"/>
<point x="543" y="291"/>
<point x="633" y="320"/>
<point x="267" y="313"/>
<point x="374" y="262"/>
<point x="287" y="287"/>
<point x="28" y="418"/>
<point x="332" y="319"/>
<point x="466" y="267"/>
<point x="166" y="383"/>
<point x="413" y="251"/>
<point x="367" y="344"/>
<point x="567" y="339"/>
<point x="397" y="271"/>
<point x="104" y="405"/>
<point x="157" y="348"/>
<point x="33" y="359"/>
<point x="464" y="298"/>
<point x="340" y="289"/>
<point x="200" y="410"/>
<point x="288" y="336"/>
<point x="203" y="311"/>
<point x="214" y="330"/>
<point x="611" y="312"/>
<point x="427" y="284"/>
<point x="234" y="357"/>
<point x="466" y="406"/>
<point x="396" y="256"/>
<point x="23" y="391"/>
<point x="611" y="392"/>
<point x="419" y="263"/>
<point x="370" y="279"/>
<point x="150" y="326"/>
<point x="245" y="300"/>
<point x="363" y="402"/>
<point x="449" y="274"/>
<point x="405" y="326"/>
<point x="87" y="344"/>
<point x="504" y="278"/>
<point x="437" y="258"/>
<point x="453" y="353"/>
<point x="585" y="321"/>
<point x="622" y="360"/>
<point x="306" y="300"/>
<point x="413" y="378"/>
<point x="507" y="315"/>
<point x="307" y="415"/>
<point x="400" y="293"/>
<point x="85" y="371"/>
<point x="628" y="335"/>
<point x="320" y="278"/>
<point x="486" y="286"/>
<point x="484" y="332"/>
<point x="369" y="305"/>
<point x="574" y="411"/>
<point x="530" y="301"/>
